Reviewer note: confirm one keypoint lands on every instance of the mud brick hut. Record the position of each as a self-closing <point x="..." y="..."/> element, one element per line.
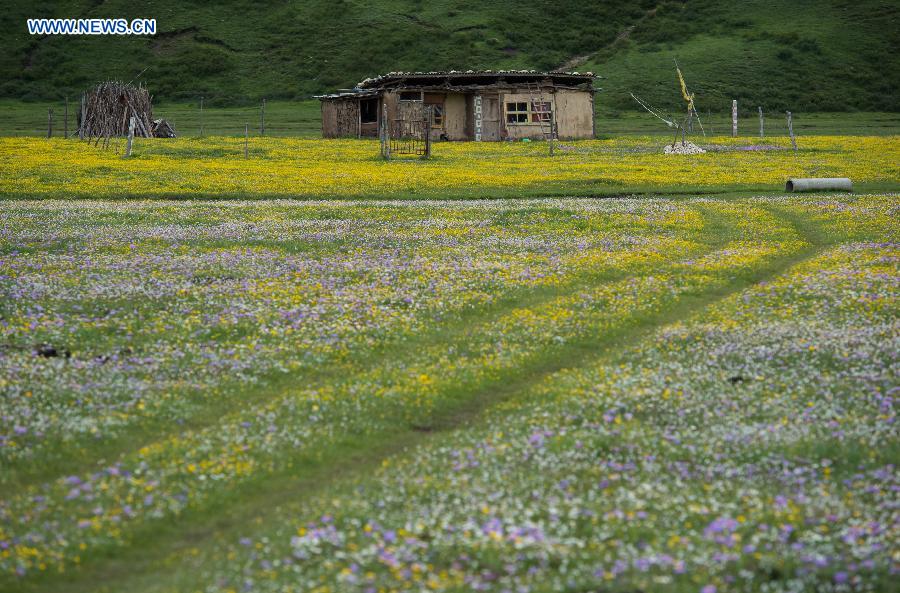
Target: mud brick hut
<point x="480" y="106"/>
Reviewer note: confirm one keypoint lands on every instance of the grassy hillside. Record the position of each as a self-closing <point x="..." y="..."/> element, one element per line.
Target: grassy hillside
<point x="235" y="50"/>
<point x="803" y="55"/>
<point x="829" y="55"/>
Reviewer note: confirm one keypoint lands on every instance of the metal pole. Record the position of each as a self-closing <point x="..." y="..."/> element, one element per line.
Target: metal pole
<point x="246" y="135"/>
<point x="201" y="117"/>
<point x="49" y="122"/>
<point x="66" y="119"/>
<point x="761" y="130"/>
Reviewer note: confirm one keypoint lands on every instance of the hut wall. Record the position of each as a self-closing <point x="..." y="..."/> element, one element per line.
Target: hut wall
<point x="573" y="111"/>
<point x="455" y="116"/>
<point x="529" y="129"/>
<point x="340" y="118"/>
<point x="575" y="114"/>
<point x="469" y="129"/>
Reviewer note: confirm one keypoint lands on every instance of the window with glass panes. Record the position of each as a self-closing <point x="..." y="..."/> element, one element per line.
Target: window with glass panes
<point x="525" y="112"/>
<point x="517" y="112"/>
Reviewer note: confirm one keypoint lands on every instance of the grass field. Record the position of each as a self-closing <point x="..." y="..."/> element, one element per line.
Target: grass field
<point x="686" y="394"/>
<point x="247" y="362"/>
<point x="311" y="169"/>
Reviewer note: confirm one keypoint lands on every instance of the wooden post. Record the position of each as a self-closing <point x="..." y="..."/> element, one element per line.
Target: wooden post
<point x="66" y="119"/>
<point x="734" y="118"/>
<point x="246" y="136"/>
<point x="762" y="133"/>
<point x="427" y="125"/>
<point x="262" y="119"/>
<point x="81" y="121"/>
<point x="130" y="137"/>
<point x="49" y="122"/>
<point x="790" y="122"/>
<point x="387" y="132"/>
<point x="552" y="126"/>
<point x="201" y="117"/>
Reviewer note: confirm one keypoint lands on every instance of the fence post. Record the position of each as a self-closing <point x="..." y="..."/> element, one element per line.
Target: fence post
<point x="81" y="121"/>
<point x="552" y="125"/>
<point x="262" y="119"/>
<point x="130" y="137"/>
<point x="49" y="122"/>
<point x="246" y="136"/>
<point x="201" y="117"/>
<point x="427" y="125"/>
<point x="762" y="133"/>
<point x="387" y="132"/>
<point x="66" y="119"/>
<point x="790" y="122"/>
<point x="734" y="118"/>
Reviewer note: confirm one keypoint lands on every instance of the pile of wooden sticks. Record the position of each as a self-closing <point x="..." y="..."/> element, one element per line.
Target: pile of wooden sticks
<point x="107" y="109"/>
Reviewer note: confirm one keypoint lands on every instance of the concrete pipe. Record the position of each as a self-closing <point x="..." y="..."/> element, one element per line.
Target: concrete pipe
<point x="819" y="184"/>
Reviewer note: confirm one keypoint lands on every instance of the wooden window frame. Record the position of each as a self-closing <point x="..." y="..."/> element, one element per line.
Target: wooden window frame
<point x="528" y="116"/>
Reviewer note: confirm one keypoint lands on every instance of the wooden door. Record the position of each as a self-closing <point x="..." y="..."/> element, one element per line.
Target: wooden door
<point x="490" y="118"/>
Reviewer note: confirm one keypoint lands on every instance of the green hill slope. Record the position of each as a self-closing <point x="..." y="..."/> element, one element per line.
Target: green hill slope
<point x="822" y="55"/>
<point x="805" y="55"/>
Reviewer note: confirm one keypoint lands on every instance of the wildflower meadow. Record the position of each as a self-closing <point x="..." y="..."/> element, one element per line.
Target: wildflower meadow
<point x="688" y="394"/>
<point x="313" y="169"/>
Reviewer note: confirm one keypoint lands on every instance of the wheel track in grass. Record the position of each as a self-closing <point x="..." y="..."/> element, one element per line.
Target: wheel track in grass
<point x="86" y="453"/>
<point x="138" y="563"/>
<point x="211" y="411"/>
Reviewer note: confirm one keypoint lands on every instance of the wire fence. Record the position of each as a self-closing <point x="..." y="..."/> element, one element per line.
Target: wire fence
<point x="302" y="119"/>
<point x="191" y="119"/>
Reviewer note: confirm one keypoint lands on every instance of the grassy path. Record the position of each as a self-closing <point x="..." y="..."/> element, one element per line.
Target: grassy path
<point x="157" y="546"/>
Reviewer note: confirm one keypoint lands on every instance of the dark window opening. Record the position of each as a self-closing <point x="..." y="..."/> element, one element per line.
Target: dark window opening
<point x="540" y="111"/>
<point x="516" y="113"/>
<point x="410" y="96"/>
<point x="368" y="111"/>
<point x="438" y="115"/>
